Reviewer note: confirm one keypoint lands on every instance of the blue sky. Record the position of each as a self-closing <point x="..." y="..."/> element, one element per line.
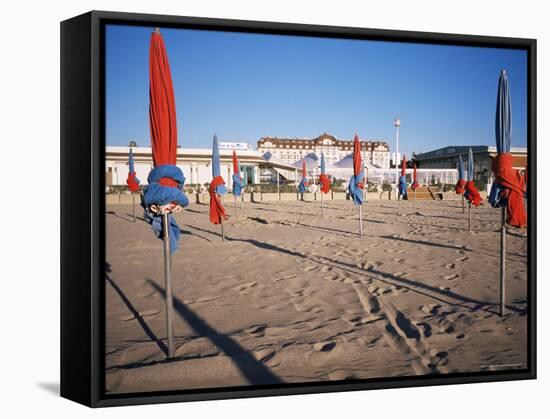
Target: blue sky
<point x="246" y="86"/>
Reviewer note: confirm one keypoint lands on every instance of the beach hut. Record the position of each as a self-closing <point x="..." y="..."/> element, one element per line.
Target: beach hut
<point x="237" y="181"/>
<point x="132" y="181"/>
<point x="355" y="185"/>
<point x="508" y="189"/>
<point x="323" y="181"/>
<point x="217" y="189"/>
<point x="164" y="193"/>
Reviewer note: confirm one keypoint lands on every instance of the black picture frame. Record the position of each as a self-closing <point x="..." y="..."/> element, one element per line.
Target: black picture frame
<point x="83" y="203"/>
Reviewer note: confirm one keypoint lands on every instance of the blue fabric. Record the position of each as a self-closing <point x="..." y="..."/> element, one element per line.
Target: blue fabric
<point x="302" y="186"/>
<point x="503" y="133"/>
<point x="131" y="165"/>
<point x="323" y="168"/>
<point x="495" y="199"/>
<point x="216" y="166"/>
<point x="237" y="185"/>
<point x="403" y="186"/>
<point x="154" y="193"/>
<point x="503" y="117"/>
<point x="355" y="192"/>
<point x="460" y="168"/>
<point x="470" y="165"/>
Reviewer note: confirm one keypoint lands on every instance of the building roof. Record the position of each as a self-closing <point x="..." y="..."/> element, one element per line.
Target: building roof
<point x="455" y="151"/>
<point x="302" y="143"/>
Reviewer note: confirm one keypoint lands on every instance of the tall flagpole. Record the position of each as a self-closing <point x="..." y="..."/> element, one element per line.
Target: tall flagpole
<point x="168" y="285"/>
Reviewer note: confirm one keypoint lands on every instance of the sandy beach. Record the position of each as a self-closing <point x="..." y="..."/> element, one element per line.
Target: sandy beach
<point x="292" y="297"/>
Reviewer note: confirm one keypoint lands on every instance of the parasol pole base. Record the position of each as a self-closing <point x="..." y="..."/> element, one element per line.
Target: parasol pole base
<point x="168" y="287"/>
<point x="502" y="261"/>
<point x="469" y="217"/>
<point x="360" y="221"/>
<point x="134" y="206"/>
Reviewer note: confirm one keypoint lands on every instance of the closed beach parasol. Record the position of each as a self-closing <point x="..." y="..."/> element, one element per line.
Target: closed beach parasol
<point x="302" y="187"/>
<point x="415" y="185"/>
<point x="237" y="181"/>
<point x="132" y="181"/>
<point x="459" y="188"/>
<point x="508" y="189"/>
<point x="402" y="185"/>
<point x="471" y="193"/>
<point x="355" y="186"/>
<point x="217" y="188"/>
<point x="323" y="180"/>
<point x="164" y="194"/>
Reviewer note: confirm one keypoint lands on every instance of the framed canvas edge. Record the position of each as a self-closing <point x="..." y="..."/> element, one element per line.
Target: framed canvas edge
<point x="97" y="248"/>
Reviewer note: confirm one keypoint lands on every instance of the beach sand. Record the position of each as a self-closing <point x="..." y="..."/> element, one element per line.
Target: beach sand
<point x="291" y="297"/>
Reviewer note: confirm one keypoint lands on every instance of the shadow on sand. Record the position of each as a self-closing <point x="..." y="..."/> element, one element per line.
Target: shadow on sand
<point x="150" y="334"/>
<point x="412" y="285"/>
<point x="254" y="371"/>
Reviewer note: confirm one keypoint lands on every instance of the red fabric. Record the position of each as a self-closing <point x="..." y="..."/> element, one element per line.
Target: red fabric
<point x="403" y="165"/>
<point x="325" y="183"/>
<point x="235" y="163"/>
<point x="514" y="191"/>
<point x="459" y="188"/>
<point x="304" y="170"/>
<point x="217" y="211"/>
<point x="132" y="182"/>
<point x="357" y="161"/>
<point x="415" y="184"/>
<point x="473" y="194"/>
<point x="166" y="181"/>
<point x="162" y="106"/>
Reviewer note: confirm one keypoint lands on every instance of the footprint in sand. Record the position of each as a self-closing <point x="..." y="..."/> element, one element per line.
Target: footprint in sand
<point x="462" y="259"/>
<point x="450" y="266"/>
<point x="264" y="355"/>
<point x="324" y="346"/>
<point x="310" y="268"/>
<point x="399" y="274"/>
<point x="450" y="277"/>
<point x="244" y="287"/>
<point x="281" y="278"/>
<point x="399" y="260"/>
<point x="257" y="330"/>
<point x="341" y="375"/>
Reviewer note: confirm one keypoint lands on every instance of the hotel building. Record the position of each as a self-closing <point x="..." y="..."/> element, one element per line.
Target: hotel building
<point x="290" y="150"/>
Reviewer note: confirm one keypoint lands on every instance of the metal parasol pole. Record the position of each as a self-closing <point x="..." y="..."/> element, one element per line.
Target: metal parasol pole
<point x="414" y="197"/>
<point x="168" y="285"/>
<point x="361" y="220"/>
<point x="133" y="206"/>
<point x="221" y="225"/>
<point x="235" y="199"/>
<point x="502" y="260"/>
<point x="463" y="206"/>
<point x="322" y="204"/>
<point x="469" y="217"/>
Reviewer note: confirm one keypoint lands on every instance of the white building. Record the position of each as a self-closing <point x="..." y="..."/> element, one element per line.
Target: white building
<point x="290" y="150"/>
<point x="196" y="164"/>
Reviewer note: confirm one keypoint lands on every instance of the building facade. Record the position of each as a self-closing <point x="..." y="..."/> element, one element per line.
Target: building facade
<point x="447" y="158"/>
<point x="195" y="163"/>
<point x="290" y="150"/>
